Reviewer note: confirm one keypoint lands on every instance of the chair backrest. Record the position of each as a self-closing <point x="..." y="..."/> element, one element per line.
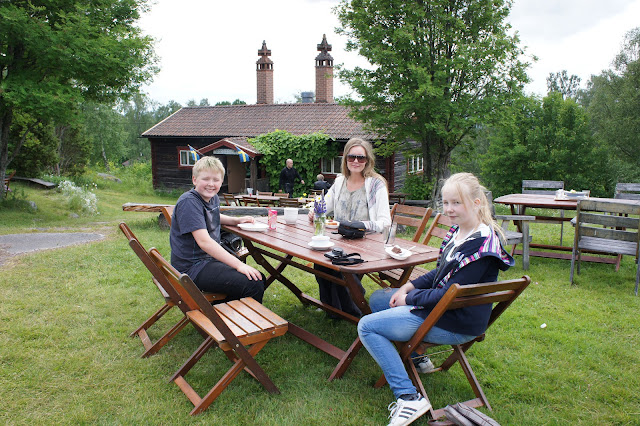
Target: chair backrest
<point x="289" y="202"/>
<point x="541" y="187"/>
<point x="281" y="194"/>
<point x="317" y="191"/>
<point x="411" y="216"/>
<point x="500" y="293"/>
<point x="397" y="198"/>
<point x="604" y="223"/>
<point x="269" y="193"/>
<point x="229" y="199"/>
<point x="167" y="212"/>
<point x="628" y="191"/>
<point x="158" y="277"/>
<point x="439" y="228"/>
<point x="249" y="201"/>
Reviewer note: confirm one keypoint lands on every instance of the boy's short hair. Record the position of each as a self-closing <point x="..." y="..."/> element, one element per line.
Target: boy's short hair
<point x="207" y="163"/>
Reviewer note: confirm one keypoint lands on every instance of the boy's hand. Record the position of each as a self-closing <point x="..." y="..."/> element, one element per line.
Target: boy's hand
<point x="246" y="219"/>
<point x="251" y="272"/>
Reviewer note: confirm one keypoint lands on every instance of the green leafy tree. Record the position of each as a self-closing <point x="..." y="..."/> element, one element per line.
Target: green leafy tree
<point x="53" y="56"/>
<point x="163" y="111"/>
<point x="548" y="140"/>
<point x="439" y="70"/>
<point x="106" y="130"/>
<point x="305" y="150"/>
<point x="561" y="82"/>
<point x="613" y="100"/>
<point x="138" y="117"/>
<point x="74" y="149"/>
<point x="38" y="150"/>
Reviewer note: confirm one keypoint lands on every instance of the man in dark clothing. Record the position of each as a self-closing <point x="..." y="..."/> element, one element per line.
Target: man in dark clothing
<point x="288" y="176"/>
<point x="321" y="183"/>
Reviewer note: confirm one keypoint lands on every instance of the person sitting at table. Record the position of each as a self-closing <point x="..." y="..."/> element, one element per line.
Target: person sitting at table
<point x="321" y="183"/>
<point x="195" y="238"/>
<point x="358" y="194"/>
<point x="470" y="253"/>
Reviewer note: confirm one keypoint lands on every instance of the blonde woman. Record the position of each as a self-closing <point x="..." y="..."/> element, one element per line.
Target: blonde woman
<point x="358" y="194"/>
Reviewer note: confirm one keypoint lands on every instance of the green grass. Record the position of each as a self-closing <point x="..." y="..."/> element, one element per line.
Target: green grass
<point x="66" y="358"/>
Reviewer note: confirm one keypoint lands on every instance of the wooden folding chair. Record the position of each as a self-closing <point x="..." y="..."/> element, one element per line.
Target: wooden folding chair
<point x="607" y="227"/>
<point x="281" y="194"/>
<point x="501" y="293"/>
<point x="407" y="216"/>
<point x="7" y="181"/>
<point x="231" y="326"/>
<point x="249" y="201"/>
<point x="167" y="212"/>
<point x="229" y="199"/>
<point x="269" y="193"/>
<point x="289" y="202"/>
<point x="171" y="299"/>
<point x="397" y="198"/>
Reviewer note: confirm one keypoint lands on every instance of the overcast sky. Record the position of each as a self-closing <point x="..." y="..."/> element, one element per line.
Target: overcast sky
<point x="208" y="49"/>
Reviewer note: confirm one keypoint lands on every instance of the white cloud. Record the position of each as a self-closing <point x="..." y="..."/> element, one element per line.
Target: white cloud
<point x="208" y="49"/>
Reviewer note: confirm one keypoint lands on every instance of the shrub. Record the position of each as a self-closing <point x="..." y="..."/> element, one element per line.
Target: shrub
<point x="79" y="198"/>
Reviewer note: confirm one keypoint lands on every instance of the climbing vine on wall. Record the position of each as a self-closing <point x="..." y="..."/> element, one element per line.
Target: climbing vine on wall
<point x="306" y="151"/>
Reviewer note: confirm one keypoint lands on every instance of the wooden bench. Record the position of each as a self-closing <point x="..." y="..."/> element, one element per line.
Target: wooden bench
<point x="7" y="180"/>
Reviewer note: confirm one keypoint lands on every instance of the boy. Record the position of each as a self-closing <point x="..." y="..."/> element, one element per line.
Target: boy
<point x="195" y="238"/>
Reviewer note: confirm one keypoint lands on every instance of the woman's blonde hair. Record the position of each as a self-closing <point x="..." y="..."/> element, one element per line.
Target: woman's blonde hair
<point x="207" y="163"/>
<point x="469" y="189"/>
<point x="368" y="170"/>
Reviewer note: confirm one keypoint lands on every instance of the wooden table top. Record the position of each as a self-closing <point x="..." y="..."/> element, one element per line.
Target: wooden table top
<point x="293" y="239"/>
<point x="550" y="201"/>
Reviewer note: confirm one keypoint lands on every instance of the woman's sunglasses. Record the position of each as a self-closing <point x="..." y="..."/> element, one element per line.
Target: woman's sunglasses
<point x="361" y="158"/>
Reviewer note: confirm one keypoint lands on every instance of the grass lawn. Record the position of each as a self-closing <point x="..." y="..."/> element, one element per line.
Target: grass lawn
<point x="66" y="358"/>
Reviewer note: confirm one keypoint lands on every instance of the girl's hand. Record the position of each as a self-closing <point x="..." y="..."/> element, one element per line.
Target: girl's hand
<point x="398" y="298"/>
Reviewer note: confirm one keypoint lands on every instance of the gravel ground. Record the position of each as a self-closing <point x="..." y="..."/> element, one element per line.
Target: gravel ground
<point x="15" y="244"/>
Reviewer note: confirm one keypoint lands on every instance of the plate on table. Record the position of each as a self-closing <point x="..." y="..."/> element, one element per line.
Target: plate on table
<point x="253" y="226"/>
<point x="332" y="225"/>
<point x="321" y="246"/>
<point x="404" y="253"/>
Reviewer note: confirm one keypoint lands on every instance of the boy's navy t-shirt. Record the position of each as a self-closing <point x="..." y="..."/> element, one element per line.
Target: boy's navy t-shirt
<point x="190" y="214"/>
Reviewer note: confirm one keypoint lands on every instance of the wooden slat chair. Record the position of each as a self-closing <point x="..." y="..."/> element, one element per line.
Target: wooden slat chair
<point x="281" y="194"/>
<point x="289" y="202"/>
<point x="167" y="212"/>
<point x="229" y="199"/>
<point x="232" y="326"/>
<point x="501" y="294"/>
<point x="250" y="201"/>
<point x="397" y="198"/>
<point x="315" y="192"/>
<point x="545" y="187"/>
<point x="407" y="216"/>
<point x="269" y="193"/>
<point x="627" y="191"/>
<point x="171" y="299"/>
<point x="606" y="227"/>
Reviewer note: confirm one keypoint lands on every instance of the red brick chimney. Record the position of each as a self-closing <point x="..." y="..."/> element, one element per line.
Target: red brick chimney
<point x="264" y="70"/>
<point x="324" y="73"/>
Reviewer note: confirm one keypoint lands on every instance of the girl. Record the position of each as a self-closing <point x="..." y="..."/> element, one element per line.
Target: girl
<point x="470" y="253"/>
<point x="358" y="194"/>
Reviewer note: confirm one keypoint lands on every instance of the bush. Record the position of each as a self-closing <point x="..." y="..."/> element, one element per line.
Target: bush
<point x="417" y="188"/>
<point x="79" y="198"/>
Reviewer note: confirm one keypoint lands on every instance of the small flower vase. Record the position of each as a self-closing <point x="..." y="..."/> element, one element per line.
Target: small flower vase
<point x="319" y="222"/>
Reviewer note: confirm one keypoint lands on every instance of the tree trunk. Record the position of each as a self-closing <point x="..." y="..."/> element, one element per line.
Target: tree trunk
<point x="104" y="158"/>
<point x="5" y="125"/>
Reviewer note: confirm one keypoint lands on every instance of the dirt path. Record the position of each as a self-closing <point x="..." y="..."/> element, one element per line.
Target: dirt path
<point x="16" y="244"/>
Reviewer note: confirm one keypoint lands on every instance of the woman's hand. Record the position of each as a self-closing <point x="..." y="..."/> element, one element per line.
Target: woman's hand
<point x="310" y="214"/>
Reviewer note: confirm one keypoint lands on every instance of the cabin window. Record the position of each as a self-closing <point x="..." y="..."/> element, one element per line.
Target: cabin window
<point x="186" y="159"/>
<point x="331" y="165"/>
<point x="415" y="164"/>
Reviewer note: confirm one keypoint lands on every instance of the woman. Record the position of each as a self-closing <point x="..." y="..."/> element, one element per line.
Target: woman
<point x="470" y="253"/>
<point x="358" y="194"/>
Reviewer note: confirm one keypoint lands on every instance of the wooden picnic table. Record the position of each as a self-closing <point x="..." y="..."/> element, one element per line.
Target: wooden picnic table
<point x="291" y="245"/>
<point x="519" y="204"/>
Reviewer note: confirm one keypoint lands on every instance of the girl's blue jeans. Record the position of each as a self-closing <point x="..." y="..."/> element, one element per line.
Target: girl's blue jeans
<point x="379" y="329"/>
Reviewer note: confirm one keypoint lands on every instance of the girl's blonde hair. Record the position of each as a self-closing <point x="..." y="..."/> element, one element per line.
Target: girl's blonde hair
<point x="469" y="189"/>
<point x="368" y="170"/>
<point x="207" y="163"/>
